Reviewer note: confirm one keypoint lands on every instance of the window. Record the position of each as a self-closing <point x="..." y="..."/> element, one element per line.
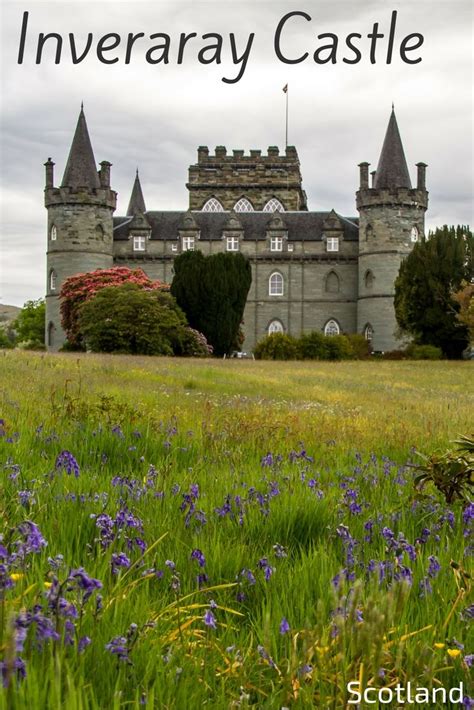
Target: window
<point x="53" y="279"/>
<point x="188" y="243"/>
<point x="276" y="326"/>
<point x="332" y="328"/>
<point x="332" y="244"/>
<point x="368" y="332"/>
<point x="54" y="233"/>
<point x="213" y="205"/>
<point x="414" y="234"/>
<point x="332" y="282"/>
<point x="369" y="279"/>
<point x="274" y="205"/>
<point x="51" y="330"/>
<point x="174" y="247"/>
<point x="275" y="284"/>
<point x="232" y="244"/>
<point x="276" y="244"/>
<point x="139" y="243"/>
<point x="243" y="205"/>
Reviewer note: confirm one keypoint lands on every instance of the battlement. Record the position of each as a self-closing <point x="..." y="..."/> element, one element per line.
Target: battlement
<point x="400" y="196"/>
<point x="238" y="155"/>
<point x="102" y="196"/>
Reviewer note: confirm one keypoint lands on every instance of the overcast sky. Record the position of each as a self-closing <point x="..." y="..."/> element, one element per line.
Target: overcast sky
<point x="155" y="116"/>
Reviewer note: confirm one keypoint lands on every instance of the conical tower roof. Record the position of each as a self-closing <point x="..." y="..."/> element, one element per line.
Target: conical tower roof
<point x="81" y="170"/>
<point x="137" y="201"/>
<point x="392" y="170"/>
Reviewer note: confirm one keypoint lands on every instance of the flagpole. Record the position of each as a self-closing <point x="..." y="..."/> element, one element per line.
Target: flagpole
<point x="286" y="131"/>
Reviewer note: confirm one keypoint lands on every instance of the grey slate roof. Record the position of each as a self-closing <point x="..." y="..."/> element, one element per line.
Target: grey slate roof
<point x="137" y="201"/>
<point x="392" y="170"/>
<point x="300" y="225"/>
<point x="81" y="170"/>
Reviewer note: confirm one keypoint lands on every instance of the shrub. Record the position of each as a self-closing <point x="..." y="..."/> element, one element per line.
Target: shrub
<point x="361" y="347"/>
<point x="424" y="352"/>
<point x="193" y="344"/>
<point x="313" y="346"/>
<point x="339" y="348"/>
<point x="277" y="346"/>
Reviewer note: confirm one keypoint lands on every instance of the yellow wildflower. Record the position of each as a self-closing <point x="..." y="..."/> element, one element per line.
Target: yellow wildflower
<point x="16" y="576"/>
<point x="439" y="645"/>
<point x="454" y="652"/>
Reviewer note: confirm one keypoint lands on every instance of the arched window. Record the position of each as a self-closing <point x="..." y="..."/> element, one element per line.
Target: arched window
<point x="99" y="231"/>
<point x="414" y="234"/>
<point x="51" y="329"/>
<point x="52" y="280"/>
<point x="368" y="332"/>
<point x="369" y="279"/>
<point x="274" y="205"/>
<point x="243" y="205"/>
<point x="53" y="233"/>
<point x="332" y="328"/>
<point x="213" y="205"/>
<point x="276" y="326"/>
<point x="369" y="232"/>
<point x="332" y="282"/>
<point x="275" y="284"/>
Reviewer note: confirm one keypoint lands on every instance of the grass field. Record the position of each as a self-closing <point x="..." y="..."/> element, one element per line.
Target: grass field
<point x="228" y="533"/>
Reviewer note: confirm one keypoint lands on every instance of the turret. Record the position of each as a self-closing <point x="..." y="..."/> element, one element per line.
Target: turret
<point x="80" y="229"/>
<point x="391" y="220"/>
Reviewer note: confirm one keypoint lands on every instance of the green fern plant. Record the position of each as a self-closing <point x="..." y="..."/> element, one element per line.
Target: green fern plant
<point x="452" y="473"/>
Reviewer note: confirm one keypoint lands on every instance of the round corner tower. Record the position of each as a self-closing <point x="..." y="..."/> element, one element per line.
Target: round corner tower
<point x="391" y="220"/>
<point x="80" y="224"/>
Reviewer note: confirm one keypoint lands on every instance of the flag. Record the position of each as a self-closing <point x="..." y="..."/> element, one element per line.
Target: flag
<point x="285" y="88"/>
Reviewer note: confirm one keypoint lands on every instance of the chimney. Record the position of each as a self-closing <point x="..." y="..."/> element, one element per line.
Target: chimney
<point x="104" y="173"/>
<point x="49" y="165"/>
<point x="364" y="176"/>
<point x="421" y="177"/>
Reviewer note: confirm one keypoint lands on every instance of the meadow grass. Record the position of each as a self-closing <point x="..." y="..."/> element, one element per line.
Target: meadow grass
<point x="252" y="528"/>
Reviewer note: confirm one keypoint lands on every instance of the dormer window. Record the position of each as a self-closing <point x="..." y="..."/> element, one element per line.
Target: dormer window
<point x="139" y="243"/>
<point x="332" y="244"/>
<point x="276" y="244"/>
<point x="54" y="233"/>
<point x="232" y="244"/>
<point x="187" y="244"/>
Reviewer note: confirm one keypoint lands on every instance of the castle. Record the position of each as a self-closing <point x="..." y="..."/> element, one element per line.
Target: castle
<point x="310" y="270"/>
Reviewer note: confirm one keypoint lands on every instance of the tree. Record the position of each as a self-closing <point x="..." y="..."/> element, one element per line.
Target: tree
<point x="212" y="291"/>
<point x="130" y="319"/>
<point x="428" y="277"/>
<point x="81" y="287"/>
<point x="30" y="323"/>
<point x="465" y="299"/>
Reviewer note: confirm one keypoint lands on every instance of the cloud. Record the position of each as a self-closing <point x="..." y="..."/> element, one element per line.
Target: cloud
<point x="154" y="117"/>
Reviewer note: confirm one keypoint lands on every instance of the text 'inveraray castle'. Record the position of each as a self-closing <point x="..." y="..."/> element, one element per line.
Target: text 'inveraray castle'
<point x="310" y="270"/>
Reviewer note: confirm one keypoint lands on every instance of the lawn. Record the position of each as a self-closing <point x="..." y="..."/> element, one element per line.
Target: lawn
<point x="178" y="533"/>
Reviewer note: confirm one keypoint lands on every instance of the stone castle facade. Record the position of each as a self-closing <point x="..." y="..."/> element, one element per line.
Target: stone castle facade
<point x="310" y="270"/>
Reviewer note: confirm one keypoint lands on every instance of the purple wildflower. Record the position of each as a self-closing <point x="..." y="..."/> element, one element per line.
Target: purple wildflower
<point x="284" y="626"/>
<point x="197" y="555"/>
<point x="118" y="647"/>
<point x="209" y="619"/>
<point x="65" y="461"/>
<point x="119" y="560"/>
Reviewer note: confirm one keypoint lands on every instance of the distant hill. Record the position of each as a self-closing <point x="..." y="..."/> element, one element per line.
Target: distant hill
<point x="8" y="313"/>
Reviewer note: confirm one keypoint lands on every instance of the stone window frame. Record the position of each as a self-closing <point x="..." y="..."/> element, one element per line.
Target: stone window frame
<point x="232" y="243"/>
<point x="332" y="272"/>
<point x="414" y="234"/>
<point x="244" y="203"/>
<point x="275" y="203"/>
<point x="53" y="233"/>
<point x="275" y="326"/>
<point x="53" y="280"/>
<point x="332" y="244"/>
<point x="276" y="284"/>
<point x="212" y="205"/>
<point x="188" y="243"/>
<point x="369" y="279"/>
<point x="332" y="328"/>
<point x="276" y="243"/>
<point x="368" y="332"/>
<point x="139" y="243"/>
<point x="50" y="333"/>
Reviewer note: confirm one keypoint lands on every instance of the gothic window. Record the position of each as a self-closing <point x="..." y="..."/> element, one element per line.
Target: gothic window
<point x="276" y="244"/>
<point x="243" y="205"/>
<point x="139" y="243"/>
<point x="368" y="332"/>
<point x="51" y="329"/>
<point x="275" y="284"/>
<point x="53" y="279"/>
<point x="274" y="205"/>
<point x="276" y="326"/>
<point x="213" y="205"/>
<point x="232" y="244"/>
<point x="332" y="244"/>
<point x="332" y="282"/>
<point x="54" y="233"/>
<point x="332" y="328"/>
<point x="369" y="232"/>
<point x="188" y="244"/>
<point x="99" y="231"/>
<point x="369" y="279"/>
<point x="414" y="234"/>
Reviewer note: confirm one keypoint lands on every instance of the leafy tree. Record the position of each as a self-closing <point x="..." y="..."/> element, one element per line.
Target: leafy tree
<point x="5" y="341"/>
<point x="212" y="291"/>
<point x="428" y="277"/>
<point x="30" y="323"/>
<point x="81" y="287"/>
<point x="465" y="298"/>
<point x="130" y="319"/>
